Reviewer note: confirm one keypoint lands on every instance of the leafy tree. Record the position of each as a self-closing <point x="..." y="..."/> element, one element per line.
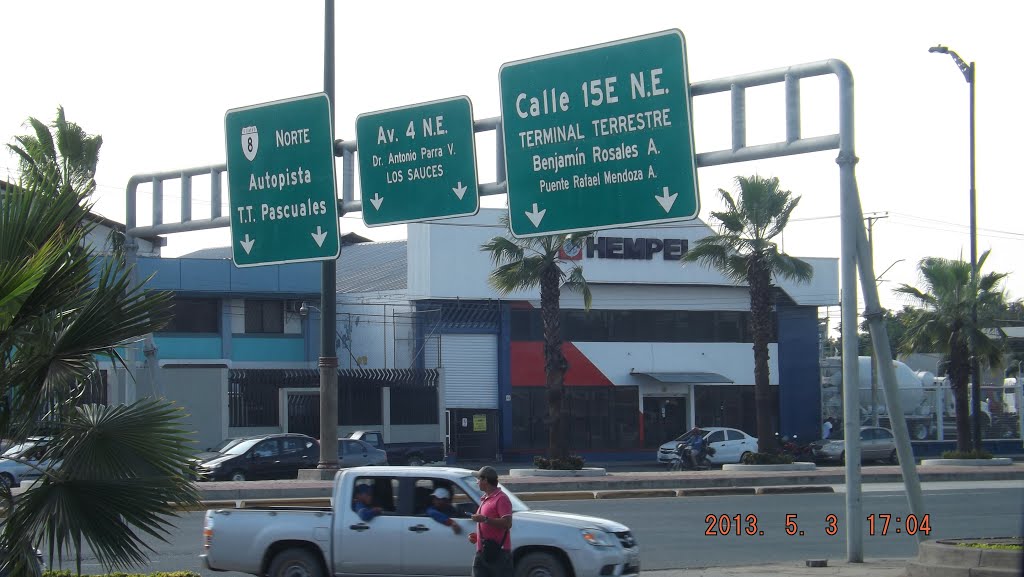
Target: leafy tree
<point x="527" y="263"/>
<point x="122" y="468"/>
<point x="895" y="327"/>
<point x="744" y="251"/>
<point x="942" y="322"/>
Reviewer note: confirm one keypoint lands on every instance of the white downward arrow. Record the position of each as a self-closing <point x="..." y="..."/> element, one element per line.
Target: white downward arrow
<point x="247" y="243"/>
<point x="319" y="236"/>
<point x="666" y="200"/>
<point x="376" y="200"/>
<point x="536" y="217"/>
<point x="459" y="190"/>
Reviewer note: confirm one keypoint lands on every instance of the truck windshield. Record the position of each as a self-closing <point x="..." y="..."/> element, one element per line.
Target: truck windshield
<point x="474" y="491"/>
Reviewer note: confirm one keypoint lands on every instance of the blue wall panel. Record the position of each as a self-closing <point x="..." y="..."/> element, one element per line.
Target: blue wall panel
<point x="799" y="372"/>
<point x="178" y="346"/>
<point x="302" y="277"/>
<point x="205" y="275"/>
<point x="168" y="273"/>
<point x="254" y="279"/>
<point x="267" y="348"/>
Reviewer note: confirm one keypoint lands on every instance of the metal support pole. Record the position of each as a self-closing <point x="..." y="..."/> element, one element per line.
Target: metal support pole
<point x="885" y="370"/>
<point x="975" y="364"/>
<point x="328" y="363"/>
<point x="849" y="222"/>
<point x="874" y="357"/>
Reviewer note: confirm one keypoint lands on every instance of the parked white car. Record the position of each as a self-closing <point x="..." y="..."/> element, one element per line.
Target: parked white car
<point x="730" y="445"/>
<point x="31" y="461"/>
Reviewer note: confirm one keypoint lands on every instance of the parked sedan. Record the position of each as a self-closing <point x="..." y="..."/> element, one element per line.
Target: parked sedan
<point x="876" y="444"/>
<point x="353" y="453"/>
<point x="277" y="456"/>
<point x="31" y="461"/>
<point x="730" y="445"/>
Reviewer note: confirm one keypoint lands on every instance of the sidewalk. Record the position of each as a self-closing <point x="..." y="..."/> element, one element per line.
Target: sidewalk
<point x="835" y="568"/>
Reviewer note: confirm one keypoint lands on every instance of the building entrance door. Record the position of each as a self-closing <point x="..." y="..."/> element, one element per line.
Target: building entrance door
<point x="475" y="433"/>
<point x="664" y="419"/>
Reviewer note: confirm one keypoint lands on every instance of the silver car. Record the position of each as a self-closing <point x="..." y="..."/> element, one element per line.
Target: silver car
<point x="30" y="461"/>
<point x="355" y="453"/>
<point x="876" y="444"/>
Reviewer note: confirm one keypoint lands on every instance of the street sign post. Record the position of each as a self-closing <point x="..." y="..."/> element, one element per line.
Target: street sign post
<point x="280" y="164"/>
<point x="599" y="137"/>
<point x="418" y="162"/>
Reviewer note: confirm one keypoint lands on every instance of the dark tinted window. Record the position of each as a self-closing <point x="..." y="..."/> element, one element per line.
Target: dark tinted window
<point x="716" y="437"/>
<point x="264" y="316"/>
<point x="734" y="435"/>
<point x="194" y="315"/>
<point x="268" y="448"/>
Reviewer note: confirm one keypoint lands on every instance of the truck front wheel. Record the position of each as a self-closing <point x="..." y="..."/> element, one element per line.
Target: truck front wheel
<point x="295" y="563"/>
<point x="539" y="565"/>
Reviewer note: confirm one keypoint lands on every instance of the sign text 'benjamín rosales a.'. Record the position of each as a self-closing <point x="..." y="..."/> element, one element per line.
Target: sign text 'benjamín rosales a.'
<point x="599" y="137"/>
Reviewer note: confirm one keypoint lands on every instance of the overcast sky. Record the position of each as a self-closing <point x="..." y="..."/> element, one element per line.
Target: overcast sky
<point x="155" y="79"/>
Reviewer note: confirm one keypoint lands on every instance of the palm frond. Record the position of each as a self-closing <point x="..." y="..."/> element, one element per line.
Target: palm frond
<point x="576" y="282"/>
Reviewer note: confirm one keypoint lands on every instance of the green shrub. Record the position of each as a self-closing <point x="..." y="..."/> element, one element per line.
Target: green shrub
<point x="570" y="463"/>
<point x="967" y="455"/>
<point x="767" y="459"/>
<point x="69" y="573"/>
<point x="999" y="546"/>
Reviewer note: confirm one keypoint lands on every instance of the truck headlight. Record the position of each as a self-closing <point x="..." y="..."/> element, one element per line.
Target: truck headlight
<point x="597" y="538"/>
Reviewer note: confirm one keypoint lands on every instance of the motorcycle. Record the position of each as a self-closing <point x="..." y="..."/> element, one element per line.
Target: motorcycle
<point x="799" y="452"/>
<point x="681" y="459"/>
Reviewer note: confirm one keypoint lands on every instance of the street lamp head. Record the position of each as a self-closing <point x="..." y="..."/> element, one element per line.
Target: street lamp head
<point x="304" y="310"/>
<point x="940" y="49"/>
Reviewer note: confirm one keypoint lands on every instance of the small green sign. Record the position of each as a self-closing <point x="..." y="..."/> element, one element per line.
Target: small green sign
<point x="280" y="161"/>
<point x="418" y="162"/>
<point x="599" y="137"/>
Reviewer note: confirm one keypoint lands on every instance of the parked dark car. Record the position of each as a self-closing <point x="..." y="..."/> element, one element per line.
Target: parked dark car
<point x="415" y="453"/>
<point x="217" y="450"/>
<point x="277" y="456"/>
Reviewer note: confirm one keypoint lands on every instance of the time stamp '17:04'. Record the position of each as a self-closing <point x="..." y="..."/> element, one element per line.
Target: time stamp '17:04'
<point x="878" y="524"/>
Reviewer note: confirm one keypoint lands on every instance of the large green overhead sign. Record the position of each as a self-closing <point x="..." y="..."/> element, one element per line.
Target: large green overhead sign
<point x="418" y="162"/>
<point x="599" y="137"/>
<point x="280" y="161"/>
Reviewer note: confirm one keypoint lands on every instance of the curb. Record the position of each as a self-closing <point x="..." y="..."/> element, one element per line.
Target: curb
<point x="633" y="494"/>
<point x="791" y="489"/>
<point x="556" y="496"/>
<point x="715" y="491"/>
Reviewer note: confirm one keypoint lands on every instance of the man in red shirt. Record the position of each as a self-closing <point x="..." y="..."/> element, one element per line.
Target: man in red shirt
<point x="494" y="517"/>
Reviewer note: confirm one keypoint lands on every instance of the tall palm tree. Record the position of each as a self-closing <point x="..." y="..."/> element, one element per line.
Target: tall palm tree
<point x="62" y="307"/>
<point x="68" y="155"/>
<point x="526" y="263"/>
<point x="743" y="250"/>
<point x="942" y="322"/>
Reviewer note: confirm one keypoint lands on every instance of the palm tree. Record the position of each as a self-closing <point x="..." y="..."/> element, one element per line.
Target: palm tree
<point x="942" y="322"/>
<point x="68" y="156"/>
<point x="743" y="250"/>
<point x="526" y="263"/>
<point x="123" y="468"/>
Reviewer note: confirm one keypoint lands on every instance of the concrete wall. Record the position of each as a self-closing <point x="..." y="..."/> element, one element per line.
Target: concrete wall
<point x="204" y="394"/>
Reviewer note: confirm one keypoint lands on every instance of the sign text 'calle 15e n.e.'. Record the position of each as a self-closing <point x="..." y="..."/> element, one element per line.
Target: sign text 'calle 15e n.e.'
<point x="280" y="160"/>
<point x="599" y="137"/>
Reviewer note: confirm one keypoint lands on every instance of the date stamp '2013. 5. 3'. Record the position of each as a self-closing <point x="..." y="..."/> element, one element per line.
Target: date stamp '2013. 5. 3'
<point x="878" y="524"/>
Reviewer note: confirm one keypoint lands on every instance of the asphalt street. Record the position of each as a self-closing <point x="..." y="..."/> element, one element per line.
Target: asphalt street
<point x="673" y="531"/>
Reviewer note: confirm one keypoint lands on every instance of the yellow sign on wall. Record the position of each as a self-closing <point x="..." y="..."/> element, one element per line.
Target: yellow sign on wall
<point x="479" y="423"/>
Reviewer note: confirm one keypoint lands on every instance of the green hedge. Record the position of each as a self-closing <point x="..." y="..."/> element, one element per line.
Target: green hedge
<point x="570" y="463"/>
<point x="69" y="573"/>
<point x="767" y="459"/>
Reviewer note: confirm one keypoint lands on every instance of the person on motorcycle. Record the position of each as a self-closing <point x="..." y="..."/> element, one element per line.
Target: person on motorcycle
<point x="696" y="446"/>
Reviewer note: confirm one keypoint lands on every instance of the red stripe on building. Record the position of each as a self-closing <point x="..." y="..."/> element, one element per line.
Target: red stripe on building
<point x="527" y="359"/>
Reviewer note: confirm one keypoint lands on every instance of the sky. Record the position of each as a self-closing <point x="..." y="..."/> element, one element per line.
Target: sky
<point x="155" y="79"/>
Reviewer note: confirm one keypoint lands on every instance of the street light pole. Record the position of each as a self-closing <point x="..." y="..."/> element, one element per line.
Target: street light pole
<point x="969" y="73"/>
<point x="874" y="358"/>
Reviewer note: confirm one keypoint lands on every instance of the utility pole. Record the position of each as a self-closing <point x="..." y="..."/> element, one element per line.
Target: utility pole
<point x="871" y="217"/>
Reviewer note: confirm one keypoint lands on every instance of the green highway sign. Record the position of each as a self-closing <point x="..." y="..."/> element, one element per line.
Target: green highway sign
<point x="599" y="137"/>
<point x="280" y="160"/>
<point x="418" y="162"/>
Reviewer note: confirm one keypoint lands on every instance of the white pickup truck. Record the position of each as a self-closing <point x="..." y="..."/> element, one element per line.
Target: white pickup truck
<point x="403" y="540"/>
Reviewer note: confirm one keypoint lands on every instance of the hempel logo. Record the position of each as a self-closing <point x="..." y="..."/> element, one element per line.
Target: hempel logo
<point x="624" y="248"/>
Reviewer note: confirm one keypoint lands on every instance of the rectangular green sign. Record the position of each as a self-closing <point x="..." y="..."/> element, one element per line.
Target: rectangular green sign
<point x="280" y="164"/>
<point x="599" y="137"/>
<point x="418" y="162"/>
